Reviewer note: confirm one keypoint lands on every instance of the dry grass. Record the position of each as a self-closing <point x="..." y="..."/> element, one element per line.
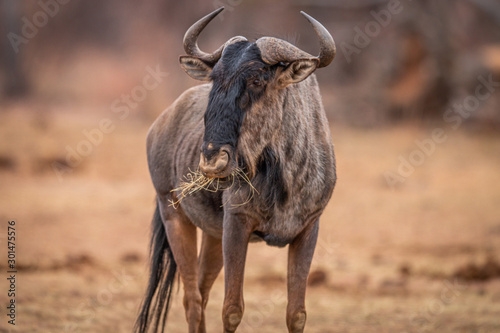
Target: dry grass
<point x="385" y="255"/>
<point x="195" y="181"/>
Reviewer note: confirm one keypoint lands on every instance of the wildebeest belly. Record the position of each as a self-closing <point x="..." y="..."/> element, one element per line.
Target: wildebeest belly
<point x="270" y="239"/>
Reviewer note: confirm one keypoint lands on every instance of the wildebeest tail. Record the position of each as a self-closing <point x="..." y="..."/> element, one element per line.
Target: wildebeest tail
<point x="162" y="274"/>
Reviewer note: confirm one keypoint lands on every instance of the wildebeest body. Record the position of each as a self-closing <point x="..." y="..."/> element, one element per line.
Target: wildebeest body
<point x="256" y="143"/>
<point x="295" y="173"/>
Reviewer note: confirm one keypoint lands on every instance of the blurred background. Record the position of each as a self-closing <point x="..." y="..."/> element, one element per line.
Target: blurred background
<point x="410" y="241"/>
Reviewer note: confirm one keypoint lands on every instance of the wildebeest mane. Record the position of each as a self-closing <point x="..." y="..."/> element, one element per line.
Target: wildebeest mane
<point x="269" y="180"/>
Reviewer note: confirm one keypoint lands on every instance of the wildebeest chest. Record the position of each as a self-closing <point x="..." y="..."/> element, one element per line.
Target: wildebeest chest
<point x="286" y="197"/>
<point x="279" y="206"/>
<point x="293" y="178"/>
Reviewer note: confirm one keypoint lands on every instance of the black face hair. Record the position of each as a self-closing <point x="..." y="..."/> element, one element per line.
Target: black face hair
<point x="239" y="79"/>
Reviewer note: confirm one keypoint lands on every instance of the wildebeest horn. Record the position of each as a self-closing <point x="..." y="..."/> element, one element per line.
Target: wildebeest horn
<point x="275" y="50"/>
<point x="191" y="40"/>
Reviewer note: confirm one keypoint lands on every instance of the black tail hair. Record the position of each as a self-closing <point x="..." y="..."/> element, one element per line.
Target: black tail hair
<point x="162" y="274"/>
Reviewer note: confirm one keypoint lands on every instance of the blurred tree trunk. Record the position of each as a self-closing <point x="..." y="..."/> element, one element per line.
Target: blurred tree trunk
<point x="489" y="7"/>
<point x="15" y="84"/>
<point x="422" y="87"/>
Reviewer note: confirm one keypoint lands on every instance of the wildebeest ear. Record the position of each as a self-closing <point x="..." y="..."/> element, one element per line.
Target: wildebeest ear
<point x="296" y="71"/>
<point x="195" y="68"/>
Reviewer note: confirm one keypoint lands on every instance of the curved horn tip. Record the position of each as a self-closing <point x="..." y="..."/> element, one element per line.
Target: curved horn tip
<point x="213" y="14"/>
<point x="328" y="49"/>
<point x="311" y="19"/>
<point x="191" y="36"/>
<point x="308" y="17"/>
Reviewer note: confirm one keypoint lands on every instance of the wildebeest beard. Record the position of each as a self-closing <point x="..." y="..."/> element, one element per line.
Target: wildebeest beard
<point x="239" y="80"/>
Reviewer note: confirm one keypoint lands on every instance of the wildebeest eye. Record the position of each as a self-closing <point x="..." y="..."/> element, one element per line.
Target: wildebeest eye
<point x="257" y="82"/>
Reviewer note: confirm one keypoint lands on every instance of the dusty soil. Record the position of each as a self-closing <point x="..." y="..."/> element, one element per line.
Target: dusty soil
<point x="415" y="256"/>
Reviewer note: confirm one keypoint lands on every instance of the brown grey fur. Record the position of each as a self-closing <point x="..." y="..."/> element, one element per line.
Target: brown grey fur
<point x="295" y="127"/>
<point x="283" y="145"/>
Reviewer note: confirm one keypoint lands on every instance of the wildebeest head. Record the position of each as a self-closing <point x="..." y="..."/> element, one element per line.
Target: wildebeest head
<point x="242" y="74"/>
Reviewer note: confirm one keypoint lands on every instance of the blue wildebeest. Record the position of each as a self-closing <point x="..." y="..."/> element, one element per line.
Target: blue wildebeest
<point x="267" y="167"/>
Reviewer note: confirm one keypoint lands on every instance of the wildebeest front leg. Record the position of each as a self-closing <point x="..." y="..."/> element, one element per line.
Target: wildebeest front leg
<point x="236" y="233"/>
<point x="210" y="264"/>
<point x="300" y="255"/>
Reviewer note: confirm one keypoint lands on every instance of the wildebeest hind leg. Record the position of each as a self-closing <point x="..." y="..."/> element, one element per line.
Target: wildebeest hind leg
<point x="210" y="264"/>
<point x="181" y="234"/>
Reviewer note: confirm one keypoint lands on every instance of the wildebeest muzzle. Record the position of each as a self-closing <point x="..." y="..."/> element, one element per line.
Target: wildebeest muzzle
<point x="216" y="162"/>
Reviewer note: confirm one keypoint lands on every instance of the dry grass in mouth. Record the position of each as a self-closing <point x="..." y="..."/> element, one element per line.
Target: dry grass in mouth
<point x="196" y="181"/>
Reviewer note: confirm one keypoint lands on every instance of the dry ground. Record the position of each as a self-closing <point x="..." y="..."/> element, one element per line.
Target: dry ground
<point x="387" y="259"/>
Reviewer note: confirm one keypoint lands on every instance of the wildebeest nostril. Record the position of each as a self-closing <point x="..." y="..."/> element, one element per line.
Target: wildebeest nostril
<point x="222" y="160"/>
